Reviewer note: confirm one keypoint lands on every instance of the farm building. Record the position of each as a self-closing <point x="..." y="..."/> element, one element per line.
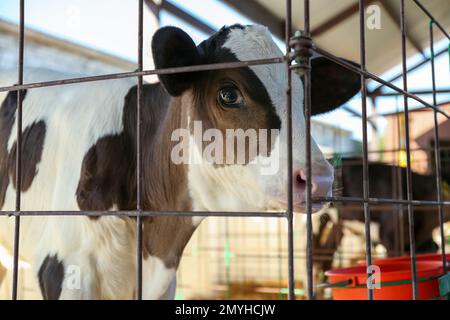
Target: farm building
<point x="422" y="139"/>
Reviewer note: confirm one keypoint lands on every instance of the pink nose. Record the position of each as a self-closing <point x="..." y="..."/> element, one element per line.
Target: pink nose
<point x="321" y="184"/>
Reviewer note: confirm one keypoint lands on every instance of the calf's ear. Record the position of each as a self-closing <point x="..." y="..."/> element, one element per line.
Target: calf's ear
<point x="331" y="85"/>
<point x="172" y="47"/>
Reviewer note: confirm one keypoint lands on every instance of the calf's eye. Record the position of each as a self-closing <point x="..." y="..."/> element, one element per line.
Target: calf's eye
<point x="230" y="97"/>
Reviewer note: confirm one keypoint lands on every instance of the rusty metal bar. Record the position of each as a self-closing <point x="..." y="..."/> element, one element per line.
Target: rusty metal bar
<point x="437" y="151"/>
<point x="139" y="176"/>
<point x="355" y="206"/>
<point x="375" y="92"/>
<point x="195" y="68"/>
<point x="362" y="52"/>
<point x="308" y="200"/>
<point x="18" y="153"/>
<point x="369" y="75"/>
<point x="416" y="92"/>
<point x="216" y="66"/>
<point x="389" y="151"/>
<point x="381" y="201"/>
<point x="412" y="239"/>
<point x="290" y="215"/>
<point x="399" y="179"/>
<point x="154" y="8"/>
<point x="276" y="214"/>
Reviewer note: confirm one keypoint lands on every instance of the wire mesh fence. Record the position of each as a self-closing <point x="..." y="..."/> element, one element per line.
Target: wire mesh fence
<point x="300" y="48"/>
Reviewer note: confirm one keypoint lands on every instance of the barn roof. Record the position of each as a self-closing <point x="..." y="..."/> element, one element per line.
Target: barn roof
<point x="335" y="26"/>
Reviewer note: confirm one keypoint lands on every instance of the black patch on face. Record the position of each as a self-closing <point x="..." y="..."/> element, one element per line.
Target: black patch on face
<point x="32" y="146"/>
<point x="51" y="275"/>
<point x="212" y="51"/>
<point x="7" y="118"/>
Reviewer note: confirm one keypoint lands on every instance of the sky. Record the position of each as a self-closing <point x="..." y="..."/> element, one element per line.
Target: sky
<point x="111" y="26"/>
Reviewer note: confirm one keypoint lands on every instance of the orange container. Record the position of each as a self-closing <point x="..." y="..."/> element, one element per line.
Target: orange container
<point x="420" y="257"/>
<point x="395" y="281"/>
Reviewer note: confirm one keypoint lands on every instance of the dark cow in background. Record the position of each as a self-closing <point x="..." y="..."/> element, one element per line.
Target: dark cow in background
<point x="79" y="149"/>
<point x="381" y="185"/>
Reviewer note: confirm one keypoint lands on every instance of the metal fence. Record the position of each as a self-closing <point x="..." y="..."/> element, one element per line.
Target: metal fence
<point x="299" y="50"/>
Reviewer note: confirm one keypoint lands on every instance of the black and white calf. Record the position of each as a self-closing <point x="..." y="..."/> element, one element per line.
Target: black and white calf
<point x="79" y="152"/>
<point x="381" y="185"/>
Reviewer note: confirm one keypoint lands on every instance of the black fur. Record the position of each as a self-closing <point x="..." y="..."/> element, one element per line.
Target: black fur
<point x="172" y="47"/>
<point x="331" y="85"/>
<point x="7" y="117"/>
<point x="51" y="275"/>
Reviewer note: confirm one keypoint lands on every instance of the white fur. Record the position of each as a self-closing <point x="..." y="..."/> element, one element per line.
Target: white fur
<point x="158" y="279"/>
<point x="76" y="116"/>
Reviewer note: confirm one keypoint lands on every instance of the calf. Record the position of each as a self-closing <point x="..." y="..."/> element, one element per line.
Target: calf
<point x="79" y="149"/>
<point x="381" y="185"/>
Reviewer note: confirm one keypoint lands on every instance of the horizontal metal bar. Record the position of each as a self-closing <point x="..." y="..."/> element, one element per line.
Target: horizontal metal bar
<point x="335" y="284"/>
<point x="418" y="92"/>
<point x="381" y="201"/>
<point x="278" y="214"/>
<point x="369" y="75"/>
<point x="203" y="67"/>
<point x="376" y="91"/>
<point x="215" y="66"/>
<point x="355" y="206"/>
<point x="386" y="151"/>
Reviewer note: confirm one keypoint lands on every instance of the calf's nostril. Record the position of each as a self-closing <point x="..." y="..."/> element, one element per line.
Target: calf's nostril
<point x="300" y="180"/>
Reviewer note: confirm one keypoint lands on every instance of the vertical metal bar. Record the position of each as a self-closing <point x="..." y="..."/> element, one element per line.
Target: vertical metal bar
<point x="362" y="50"/>
<point x="412" y="240"/>
<point x="437" y="152"/>
<point x="290" y="216"/>
<point x="309" y="231"/>
<point x="280" y="258"/>
<point x="18" y="152"/>
<point x="395" y="217"/>
<point x="243" y="245"/>
<point x="399" y="179"/>
<point x="227" y="258"/>
<point x="139" y="177"/>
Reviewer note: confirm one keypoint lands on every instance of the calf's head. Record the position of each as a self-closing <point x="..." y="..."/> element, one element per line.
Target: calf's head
<point x="235" y="121"/>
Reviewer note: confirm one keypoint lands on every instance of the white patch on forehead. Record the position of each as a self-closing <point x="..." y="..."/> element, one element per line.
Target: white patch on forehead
<point x="255" y="42"/>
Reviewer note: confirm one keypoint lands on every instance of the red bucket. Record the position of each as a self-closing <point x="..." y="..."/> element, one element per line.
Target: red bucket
<point x="437" y="257"/>
<point x="395" y="281"/>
